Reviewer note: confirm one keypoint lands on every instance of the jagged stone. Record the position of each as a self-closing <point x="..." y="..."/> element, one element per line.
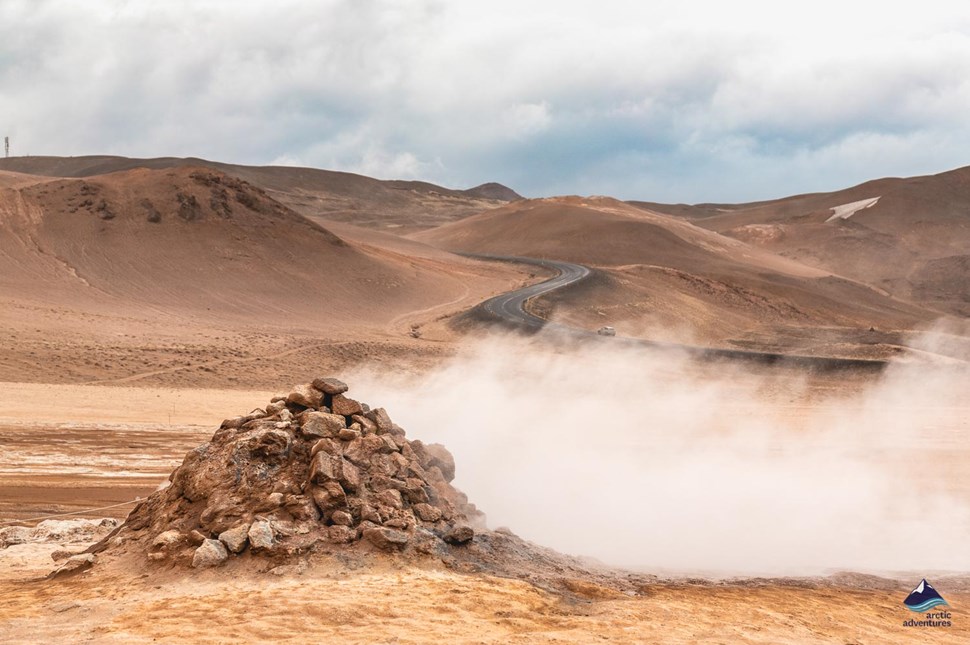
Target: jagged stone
<point x="348" y="434"/>
<point x="381" y="419"/>
<point x="342" y="517"/>
<point x="345" y="406"/>
<point x="322" y="424"/>
<point x="390" y="498"/>
<point x="275" y="407"/>
<point x="427" y="512"/>
<point x="212" y="553"/>
<point x="386" y="538"/>
<point x="329" y="446"/>
<point x="459" y="534"/>
<point x="330" y="385"/>
<point x="329" y="496"/>
<point x="366" y="425"/>
<point x="261" y="536"/>
<point x="75" y="564"/>
<point x="168" y="540"/>
<point x="305" y="395"/>
<point x="236" y="538"/>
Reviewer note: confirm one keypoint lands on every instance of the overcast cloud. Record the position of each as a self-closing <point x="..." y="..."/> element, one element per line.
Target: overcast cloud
<point x="667" y="101"/>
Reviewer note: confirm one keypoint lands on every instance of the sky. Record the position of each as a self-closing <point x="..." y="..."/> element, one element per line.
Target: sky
<point x="690" y="101"/>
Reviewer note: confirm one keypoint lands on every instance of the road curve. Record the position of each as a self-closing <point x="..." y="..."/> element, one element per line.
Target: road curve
<point x="509" y="308"/>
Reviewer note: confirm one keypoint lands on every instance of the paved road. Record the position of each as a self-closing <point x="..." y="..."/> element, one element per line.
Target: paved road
<point x="509" y="308"/>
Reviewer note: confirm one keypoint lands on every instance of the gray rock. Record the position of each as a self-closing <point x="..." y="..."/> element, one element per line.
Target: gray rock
<point x="168" y="540"/>
<point x="212" y="553"/>
<point x="76" y="563"/>
<point x="235" y="538"/>
<point x="330" y="385"/>
<point x="261" y="535"/>
<point x="14" y="535"/>
<point x="385" y="538"/>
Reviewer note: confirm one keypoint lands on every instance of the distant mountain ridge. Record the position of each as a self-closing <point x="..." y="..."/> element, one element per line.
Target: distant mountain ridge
<point x="318" y="194"/>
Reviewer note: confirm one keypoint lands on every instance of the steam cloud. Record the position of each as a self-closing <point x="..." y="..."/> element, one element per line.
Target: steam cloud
<point x="647" y="460"/>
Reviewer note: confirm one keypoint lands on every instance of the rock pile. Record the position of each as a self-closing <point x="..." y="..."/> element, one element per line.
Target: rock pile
<point x="313" y="471"/>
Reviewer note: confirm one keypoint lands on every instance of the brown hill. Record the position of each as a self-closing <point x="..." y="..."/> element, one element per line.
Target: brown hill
<point x="662" y="276"/>
<point x="318" y="194"/>
<point x="113" y="275"/>
<point x="909" y="237"/>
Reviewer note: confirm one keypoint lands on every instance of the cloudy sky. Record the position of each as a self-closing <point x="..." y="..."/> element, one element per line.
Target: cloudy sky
<point x="668" y="101"/>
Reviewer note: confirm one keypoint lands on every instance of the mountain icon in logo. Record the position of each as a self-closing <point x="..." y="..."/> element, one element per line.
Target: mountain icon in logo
<point x="923" y="597"/>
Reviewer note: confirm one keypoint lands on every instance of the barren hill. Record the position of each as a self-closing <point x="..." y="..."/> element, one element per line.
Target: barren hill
<point x="319" y="194"/>
<point x="114" y="274"/>
<point x="910" y="237"/>
<point x="663" y="276"/>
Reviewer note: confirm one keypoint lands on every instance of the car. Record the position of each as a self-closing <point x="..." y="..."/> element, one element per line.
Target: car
<point x="606" y="331"/>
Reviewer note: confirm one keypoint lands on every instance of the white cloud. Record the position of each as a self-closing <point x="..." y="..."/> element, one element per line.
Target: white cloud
<point x="547" y="96"/>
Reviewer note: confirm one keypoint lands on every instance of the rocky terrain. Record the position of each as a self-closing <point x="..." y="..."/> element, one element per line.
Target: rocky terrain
<point x="317" y="477"/>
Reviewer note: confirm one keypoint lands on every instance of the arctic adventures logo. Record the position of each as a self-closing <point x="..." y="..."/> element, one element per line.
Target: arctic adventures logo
<point x="923" y="598"/>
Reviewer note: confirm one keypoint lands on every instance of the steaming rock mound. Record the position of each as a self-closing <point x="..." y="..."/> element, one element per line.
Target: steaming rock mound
<point x="317" y="478"/>
<point x="312" y="471"/>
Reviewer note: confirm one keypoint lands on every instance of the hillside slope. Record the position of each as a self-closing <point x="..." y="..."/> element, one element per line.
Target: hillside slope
<point x="318" y="194"/>
<point x="909" y="237"/>
<point x="664" y="277"/>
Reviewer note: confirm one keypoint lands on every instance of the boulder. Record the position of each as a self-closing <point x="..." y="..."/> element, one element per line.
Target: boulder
<point x="386" y="538"/>
<point x="305" y="395"/>
<point x="212" y="553"/>
<point x="330" y="385"/>
<point x="261" y="535"/>
<point x="236" y="538"/>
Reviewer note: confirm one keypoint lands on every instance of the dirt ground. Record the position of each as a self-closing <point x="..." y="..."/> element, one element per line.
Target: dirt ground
<point x="71" y="447"/>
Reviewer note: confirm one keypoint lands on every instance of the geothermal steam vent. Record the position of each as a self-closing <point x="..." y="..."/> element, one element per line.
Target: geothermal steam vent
<point x="314" y="471"/>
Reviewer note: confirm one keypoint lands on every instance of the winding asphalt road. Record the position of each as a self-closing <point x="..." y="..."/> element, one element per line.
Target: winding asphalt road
<point x="509" y="308"/>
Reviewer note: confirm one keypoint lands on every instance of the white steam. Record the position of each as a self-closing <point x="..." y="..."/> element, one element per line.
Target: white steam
<point x="646" y="460"/>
